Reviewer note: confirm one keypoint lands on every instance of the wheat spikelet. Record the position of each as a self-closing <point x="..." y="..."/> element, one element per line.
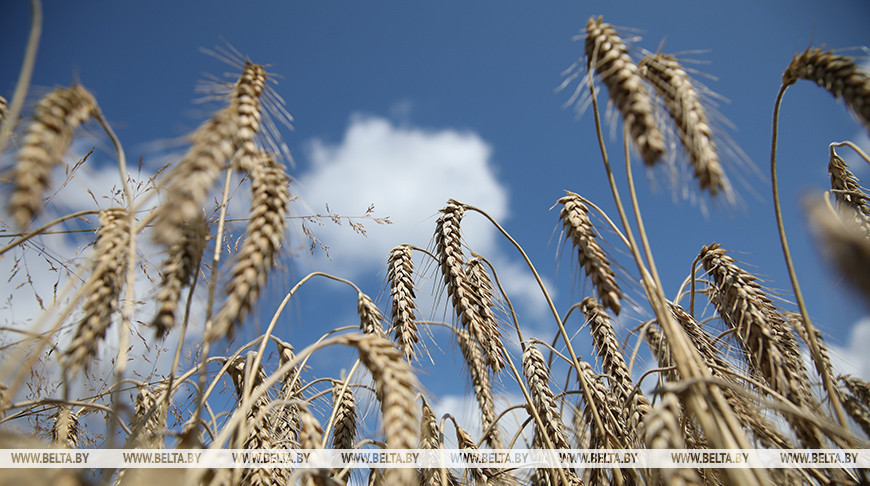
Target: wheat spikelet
<point x="661" y="430"/>
<point x="466" y="302"/>
<point x="607" y="54"/>
<point x="178" y="270"/>
<point x="844" y="243"/>
<point x="681" y="99"/>
<point x="396" y="385"/>
<point x="4" y="400"/>
<point x="857" y="401"/>
<point x="151" y="435"/>
<point x="3" y="109"/>
<point x="344" y="431"/>
<point x="265" y="232"/>
<point x="371" y="321"/>
<point x="285" y="417"/>
<point x="839" y="75"/>
<point x="65" y="432"/>
<point x="105" y="282"/>
<point x="48" y="137"/>
<point x="769" y="345"/>
<point x="399" y="274"/>
<point x="849" y="193"/>
<point x="482" y="388"/>
<point x="232" y="129"/>
<point x="590" y="255"/>
<point x="537" y="376"/>
<point x="614" y="365"/>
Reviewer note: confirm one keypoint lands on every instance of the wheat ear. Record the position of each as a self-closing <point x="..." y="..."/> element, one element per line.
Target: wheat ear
<point x="590" y="255"/>
<point x="371" y="321"/>
<point x="849" y="194"/>
<point x="65" y="432"/>
<point x="106" y="281"/>
<point x="178" y="270"/>
<point x="480" y="380"/>
<point x="475" y="316"/>
<point x="48" y="137"/>
<point x="857" y="401"/>
<point x="633" y="405"/>
<point x="154" y="426"/>
<point x="400" y="269"/>
<point x="285" y="417"/>
<point x="266" y="229"/>
<point x="232" y="129"/>
<point x="768" y="343"/>
<point x="345" y="429"/>
<point x="839" y="75"/>
<point x="607" y="54"/>
<point x="662" y="430"/>
<point x="845" y="244"/>
<point x="683" y="103"/>
<point x="396" y="388"/>
<point x="430" y="438"/>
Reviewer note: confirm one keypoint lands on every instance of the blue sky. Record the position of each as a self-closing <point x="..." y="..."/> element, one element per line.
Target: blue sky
<point x="404" y="104"/>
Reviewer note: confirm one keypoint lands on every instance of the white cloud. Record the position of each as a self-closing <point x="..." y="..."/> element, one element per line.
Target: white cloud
<point x="853" y="359"/>
<point x="408" y="174"/>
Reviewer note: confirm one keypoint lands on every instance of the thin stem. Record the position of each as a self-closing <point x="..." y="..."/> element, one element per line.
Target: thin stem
<point x="24" y="77"/>
<point x="45" y="227"/>
<point x="815" y="351"/>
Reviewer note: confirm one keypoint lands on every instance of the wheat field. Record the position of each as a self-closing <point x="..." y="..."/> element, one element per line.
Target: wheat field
<point x="732" y="367"/>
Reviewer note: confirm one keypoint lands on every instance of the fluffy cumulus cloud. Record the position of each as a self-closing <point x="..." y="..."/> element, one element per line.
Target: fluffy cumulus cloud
<point x="408" y="174"/>
<point x="853" y="359"/>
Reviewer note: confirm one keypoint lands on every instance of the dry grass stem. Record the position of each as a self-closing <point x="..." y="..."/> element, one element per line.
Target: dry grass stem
<point x="265" y="233"/>
<point x="400" y="270"/>
<point x="48" y="137"/>
<point x="839" y="75"/>
<point x="683" y="103"/>
<point x="106" y="282"/>
<point x="607" y="54"/>
<point x="590" y="255"/>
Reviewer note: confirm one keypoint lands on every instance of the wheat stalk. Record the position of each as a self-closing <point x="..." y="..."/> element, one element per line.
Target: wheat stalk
<point x="607" y="54"/>
<point x="683" y="103"/>
<point x="400" y="268"/>
<point x="178" y="270"/>
<point x="839" y="75"/>
<point x="474" y="315"/>
<point x="590" y="255"/>
<point x="266" y="229"/>
<point x="48" y="137"/>
<point x="105" y="286"/>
